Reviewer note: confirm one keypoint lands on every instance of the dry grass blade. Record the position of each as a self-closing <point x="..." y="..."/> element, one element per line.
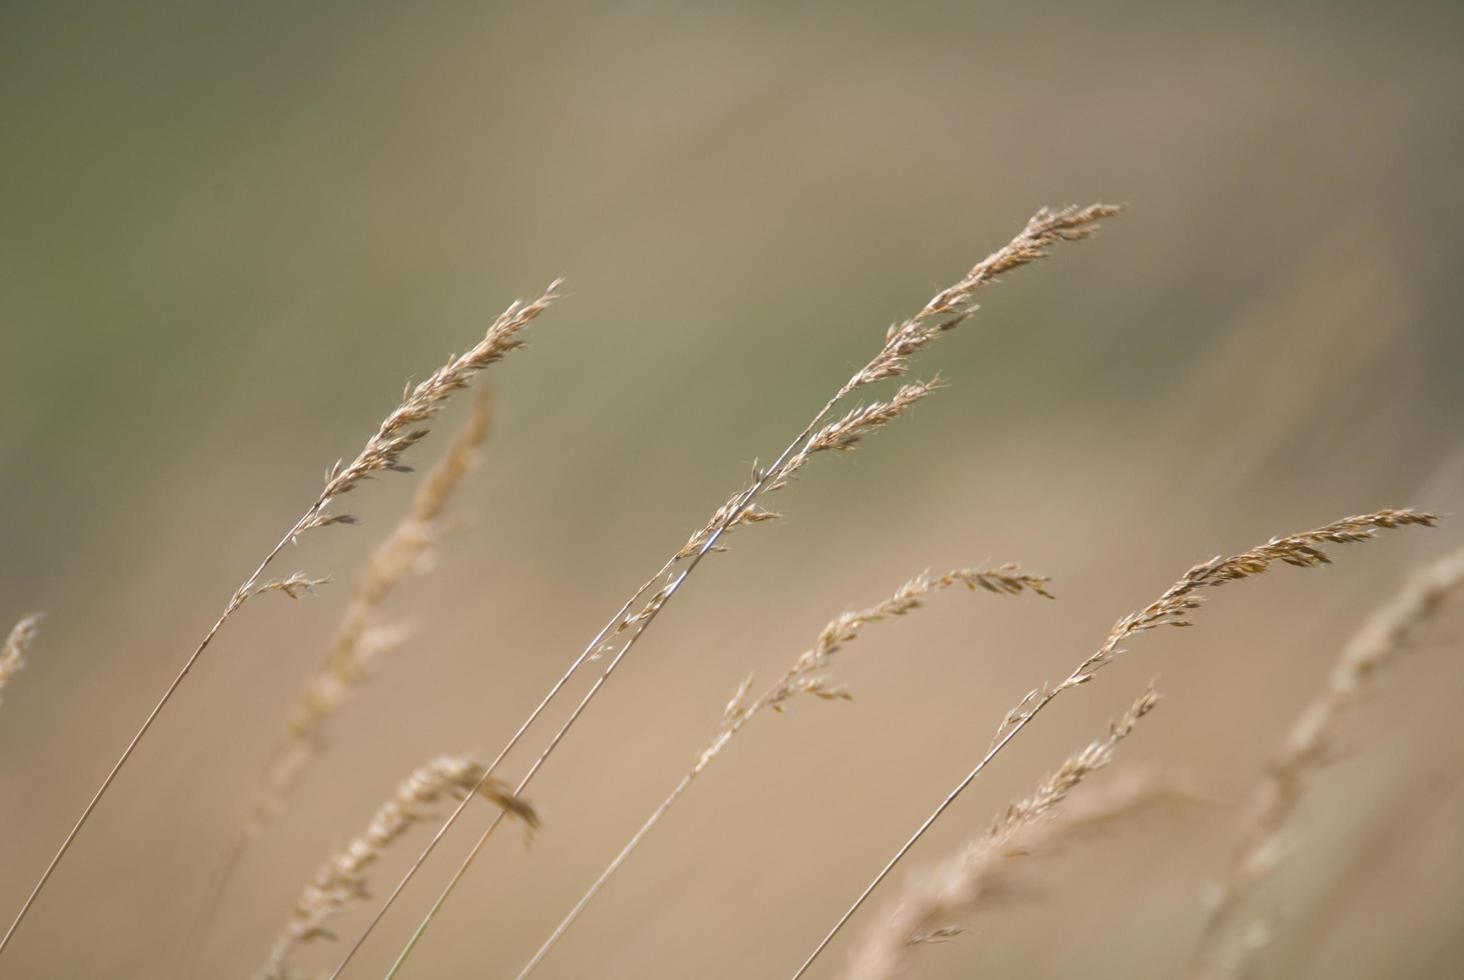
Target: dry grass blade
<point x="1303" y="550"/>
<point x="402" y="428"/>
<point x="12" y="655"/>
<point x="943" y="312"/>
<point x="342" y="879"/>
<point x="1226" y="945"/>
<point x="359" y="641"/>
<point x="933" y="907"/>
<point x="806" y="676"/>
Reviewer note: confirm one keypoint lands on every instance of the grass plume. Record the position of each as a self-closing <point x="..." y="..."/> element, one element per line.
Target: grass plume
<point x="933" y="906"/>
<point x="398" y="432"/>
<point x="342" y="879"/>
<point x="359" y="640"/>
<point x="1227" y="944"/>
<point x="1304" y="549"/>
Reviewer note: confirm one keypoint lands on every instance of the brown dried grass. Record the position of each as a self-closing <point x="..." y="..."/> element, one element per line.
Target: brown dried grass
<point x="933" y="906"/>
<point x="808" y="676"/>
<point x="342" y="879"/>
<point x="402" y="428"/>
<point x="945" y="311"/>
<point x="360" y="640"/>
<point x="1303" y="549"/>
<point x="1228" y="942"/>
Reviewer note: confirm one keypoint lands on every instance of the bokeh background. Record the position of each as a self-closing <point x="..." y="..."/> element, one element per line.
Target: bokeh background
<point x="231" y="231"/>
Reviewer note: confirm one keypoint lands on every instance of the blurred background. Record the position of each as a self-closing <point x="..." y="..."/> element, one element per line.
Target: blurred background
<point x="232" y="231"/>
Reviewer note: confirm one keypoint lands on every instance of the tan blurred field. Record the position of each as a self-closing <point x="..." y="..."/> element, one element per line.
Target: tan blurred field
<point x="229" y="233"/>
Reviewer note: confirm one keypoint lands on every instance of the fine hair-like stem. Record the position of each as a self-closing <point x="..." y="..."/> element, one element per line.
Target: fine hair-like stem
<point x="943" y="312"/>
<point x="806" y="676"/>
<point x="342" y="879"/>
<point x="933" y="905"/>
<point x="356" y="647"/>
<point x="1303" y="550"/>
<point x="382" y="452"/>
<point x="360" y="640"/>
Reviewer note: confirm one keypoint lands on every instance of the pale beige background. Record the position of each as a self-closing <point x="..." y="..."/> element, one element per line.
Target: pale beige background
<point x="230" y="233"/>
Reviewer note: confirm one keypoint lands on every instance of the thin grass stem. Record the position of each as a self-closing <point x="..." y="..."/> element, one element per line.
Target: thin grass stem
<point x="943" y="312"/>
<point x="398" y="432"/>
<point x="1179" y="601"/>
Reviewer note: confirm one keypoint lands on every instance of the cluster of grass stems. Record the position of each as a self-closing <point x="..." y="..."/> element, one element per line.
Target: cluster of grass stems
<point x="934" y="906"/>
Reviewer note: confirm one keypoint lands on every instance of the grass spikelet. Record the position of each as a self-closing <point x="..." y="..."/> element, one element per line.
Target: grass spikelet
<point x="342" y="879"/>
<point x="840" y="435"/>
<point x="1303" y="549"/>
<point x="806" y="677"/>
<point x="359" y="642"/>
<point x="1226" y="945"/>
<point x="12" y="655"/>
<point x="297" y="586"/>
<point x="1184" y="597"/>
<point x="933" y="906"/>
<point x="953" y="305"/>
<point x="402" y="428"/>
<point x="943" y="312"/>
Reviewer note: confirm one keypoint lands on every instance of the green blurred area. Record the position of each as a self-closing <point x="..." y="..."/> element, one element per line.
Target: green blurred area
<point x="230" y="232"/>
<point x="225" y="221"/>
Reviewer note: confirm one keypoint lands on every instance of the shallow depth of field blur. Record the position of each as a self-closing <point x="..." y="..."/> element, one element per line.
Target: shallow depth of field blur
<point x="229" y="233"/>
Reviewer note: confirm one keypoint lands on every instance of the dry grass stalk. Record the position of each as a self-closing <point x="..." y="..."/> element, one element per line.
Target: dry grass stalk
<point x="1173" y="608"/>
<point x="943" y="312"/>
<point x="933" y="906"/>
<point x="359" y="641"/>
<point x="383" y="451"/>
<point x="12" y="655"/>
<point x="807" y="676"/>
<point x="342" y="879"/>
<point x="1179" y="601"/>
<point x="1227" y="944"/>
